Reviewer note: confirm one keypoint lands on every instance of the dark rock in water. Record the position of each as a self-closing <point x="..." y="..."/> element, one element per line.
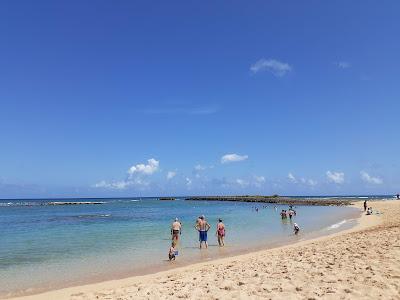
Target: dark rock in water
<point x="275" y="199"/>
<point x="167" y="198"/>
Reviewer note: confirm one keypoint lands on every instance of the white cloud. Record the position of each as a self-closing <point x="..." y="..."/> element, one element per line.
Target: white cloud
<point x="123" y="184"/>
<point x="135" y="178"/>
<point x="241" y="182"/>
<point x="200" y="168"/>
<point x="368" y="178"/>
<point x="292" y="178"/>
<point x="101" y="184"/>
<point x="227" y="158"/>
<point x="343" y="64"/>
<point x="148" y="169"/>
<point x="310" y="182"/>
<point x="188" y="181"/>
<point x="276" y="67"/>
<point x="259" y="179"/>
<point x="335" y="177"/>
<point x="115" y="185"/>
<point x="171" y="174"/>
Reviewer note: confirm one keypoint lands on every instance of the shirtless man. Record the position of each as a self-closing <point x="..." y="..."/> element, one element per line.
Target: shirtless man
<point x="202" y="227"/>
<point x="176" y="230"/>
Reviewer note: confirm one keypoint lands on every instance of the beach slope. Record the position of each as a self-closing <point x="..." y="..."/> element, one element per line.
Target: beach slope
<point x="361" y="263"/>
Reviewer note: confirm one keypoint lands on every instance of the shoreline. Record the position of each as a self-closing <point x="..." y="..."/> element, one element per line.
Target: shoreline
<point x="213" y="254"/>
<point x="364" y="223"/>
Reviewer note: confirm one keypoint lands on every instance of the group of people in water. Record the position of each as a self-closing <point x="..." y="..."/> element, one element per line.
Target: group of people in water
<point x="288" y="213"/>
<point x="202" y="226"/>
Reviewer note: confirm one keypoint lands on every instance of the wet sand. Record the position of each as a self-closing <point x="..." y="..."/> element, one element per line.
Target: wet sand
<point x="360" y="263"/>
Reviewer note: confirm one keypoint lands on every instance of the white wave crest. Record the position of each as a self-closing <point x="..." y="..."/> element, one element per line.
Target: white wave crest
<point x="337" y="225"/>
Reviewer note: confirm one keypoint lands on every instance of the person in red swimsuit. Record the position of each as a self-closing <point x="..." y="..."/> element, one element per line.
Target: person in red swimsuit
<point x="220" y="233"/>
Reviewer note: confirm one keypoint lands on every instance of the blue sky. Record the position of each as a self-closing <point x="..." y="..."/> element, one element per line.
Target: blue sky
<point x="137" y="98"/>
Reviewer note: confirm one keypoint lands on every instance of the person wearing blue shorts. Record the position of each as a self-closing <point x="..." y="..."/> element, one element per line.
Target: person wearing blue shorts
<point x="202" y="227"/>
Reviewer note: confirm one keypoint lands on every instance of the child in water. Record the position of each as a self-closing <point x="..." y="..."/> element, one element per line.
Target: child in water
<point x="172" y="252"/>
<point x="296" y="228"/>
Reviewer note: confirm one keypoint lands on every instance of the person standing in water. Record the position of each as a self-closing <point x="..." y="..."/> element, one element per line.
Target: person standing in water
<point x="220" y="233"/>
<point x="176" y="230"/>
<point x="202" y="227"/>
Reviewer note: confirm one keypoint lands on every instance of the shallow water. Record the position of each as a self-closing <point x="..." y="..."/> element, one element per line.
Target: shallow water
<point x="45" y="246"/>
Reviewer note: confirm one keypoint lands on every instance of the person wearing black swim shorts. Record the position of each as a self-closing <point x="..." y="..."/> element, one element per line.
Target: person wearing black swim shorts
<point x="176" y="230"/>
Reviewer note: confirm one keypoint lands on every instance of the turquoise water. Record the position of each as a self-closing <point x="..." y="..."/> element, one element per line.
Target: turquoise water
<point x="44" y="246"/>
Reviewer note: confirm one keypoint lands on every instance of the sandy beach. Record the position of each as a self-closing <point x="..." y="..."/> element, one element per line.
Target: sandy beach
<point x="360" y="263"/>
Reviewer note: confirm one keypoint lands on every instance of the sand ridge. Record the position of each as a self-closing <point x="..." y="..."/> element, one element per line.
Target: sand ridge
<point x="361" y="263"/>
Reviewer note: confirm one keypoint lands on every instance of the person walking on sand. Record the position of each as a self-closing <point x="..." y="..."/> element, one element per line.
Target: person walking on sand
<point x="202" y="227"/>
<point x="220" y="233"/>
<point x="176" y="230"/>
<point x="365" y="205"/>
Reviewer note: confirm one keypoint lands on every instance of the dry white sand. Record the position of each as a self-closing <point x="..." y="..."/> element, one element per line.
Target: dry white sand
<point x="361" y="263"/>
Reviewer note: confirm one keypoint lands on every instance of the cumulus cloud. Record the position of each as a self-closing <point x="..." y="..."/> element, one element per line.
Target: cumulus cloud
<point x="274" y="66"/>
<point x="171" y="174"/>
<point x="305" y="181"/>
<point x="292" y="178"/>
<point x="188" y="181"/>
<point x="335" y="177"/>
<point x="134" y="178"/>
<point x="228" y="158"/>
<point x="368" y="178"/>
<point x="150" y="168"/>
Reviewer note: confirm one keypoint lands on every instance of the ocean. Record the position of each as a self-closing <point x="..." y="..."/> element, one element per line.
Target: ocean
<point x="45" y="246"/>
